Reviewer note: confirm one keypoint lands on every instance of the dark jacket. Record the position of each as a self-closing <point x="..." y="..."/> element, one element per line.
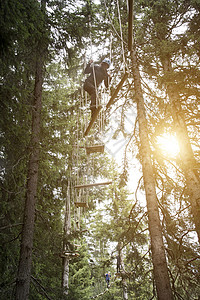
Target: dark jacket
<point x="100" y="74"/>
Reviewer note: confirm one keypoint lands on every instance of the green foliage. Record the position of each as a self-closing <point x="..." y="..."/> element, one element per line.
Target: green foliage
<point x="15" y="124"/>
<point x="112" y="218"/>
<point x="80" y="276"/>
<point x="22" y="31"/>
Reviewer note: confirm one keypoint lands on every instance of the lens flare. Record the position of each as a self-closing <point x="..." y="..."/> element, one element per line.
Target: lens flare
<point x="168" y="144"/>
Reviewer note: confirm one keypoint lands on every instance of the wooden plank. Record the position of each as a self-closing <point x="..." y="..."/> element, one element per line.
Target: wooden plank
<point x="91" y="149"/>
<point x="116" y="91"/>
<point x="95" y="149"/>
<point x="92" y="184"/>
<point x="93" y="119"/>
<point x="76" y="245"/>
<point x="80" y="204"/>
<point x="69" y="254"/>
<point x="130" y="25"/>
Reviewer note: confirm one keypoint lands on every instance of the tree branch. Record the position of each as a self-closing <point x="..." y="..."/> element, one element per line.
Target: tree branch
<point x="41" y="287"/>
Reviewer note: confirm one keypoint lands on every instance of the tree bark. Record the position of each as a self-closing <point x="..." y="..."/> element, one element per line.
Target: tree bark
<point x="160" y="270"/>
<point x="125" y="290"/>
<point x="67" y="230"/>
<point x="24" y="269"/>
<point x="188" y="163"/>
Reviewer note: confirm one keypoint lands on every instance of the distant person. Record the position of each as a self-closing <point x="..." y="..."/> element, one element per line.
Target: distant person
<point x="118" y="263"/>
<point x="108" y="276"/>
<point x="98" y="73"/>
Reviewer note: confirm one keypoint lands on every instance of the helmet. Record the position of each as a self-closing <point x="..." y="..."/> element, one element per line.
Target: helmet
<point x="106" y="61"/>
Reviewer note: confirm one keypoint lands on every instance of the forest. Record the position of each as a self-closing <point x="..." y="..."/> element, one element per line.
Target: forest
<point x="110" y="194"/>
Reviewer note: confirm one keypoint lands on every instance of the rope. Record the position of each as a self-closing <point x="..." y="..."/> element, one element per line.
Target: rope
<point x="79" y="217"/>
<point x="74" y="197"/>
<point x="120" y="36"/>
<point x="82" y="115"/>
<point x="101" y="123"/>
<point x="91" y="53"/>
<point x="103" y="96"/>
<point x="87" y="168"/>
<point x="85" y="116"/>
<point x="111" y="38"/>
<point x="77" y="147"/>
<point x="122" y="42"/>
<point x="87" y="195"/>
<point x="111" y="20"/>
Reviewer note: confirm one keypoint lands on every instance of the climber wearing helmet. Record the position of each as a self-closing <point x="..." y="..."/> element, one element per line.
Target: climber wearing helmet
<point x="98" y="73"/>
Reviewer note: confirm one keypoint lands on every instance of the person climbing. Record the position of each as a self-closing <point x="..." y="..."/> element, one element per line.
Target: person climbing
<point x="98" y="74"/>
<point x="108" y="276"/>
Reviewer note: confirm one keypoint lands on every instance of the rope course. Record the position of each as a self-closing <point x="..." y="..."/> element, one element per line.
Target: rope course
<point x="68" y="251"/>
<point x="79" y="184"/>
<point x="79" y="196"/>
<point x="80" y="187"/>
<point x="119" y="86"/>
<point x="126" y="70"/>
<point x="105" y="291"/>
<point x="98" y="100"/>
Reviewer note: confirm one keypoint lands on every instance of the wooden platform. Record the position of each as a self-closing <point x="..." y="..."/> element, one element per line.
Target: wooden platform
<point x="76" y="245"/>
<point x="93" y="119"/>
<point x="95" y="149"/>
<point x="69" y="254"/>
<point x="80" y="204"/>
<point x="92" y="185"/>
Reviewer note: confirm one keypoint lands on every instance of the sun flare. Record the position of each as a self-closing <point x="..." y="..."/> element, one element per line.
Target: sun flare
<point x="168" y="144"/>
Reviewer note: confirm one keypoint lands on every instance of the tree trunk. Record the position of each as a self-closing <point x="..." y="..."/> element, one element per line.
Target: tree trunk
<point x="157" y="246"/>
<point x="188" y="162"/>
<point x="67" y="230"/>
<point x="24" y="269"/>
<point x="125" y="290"/>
